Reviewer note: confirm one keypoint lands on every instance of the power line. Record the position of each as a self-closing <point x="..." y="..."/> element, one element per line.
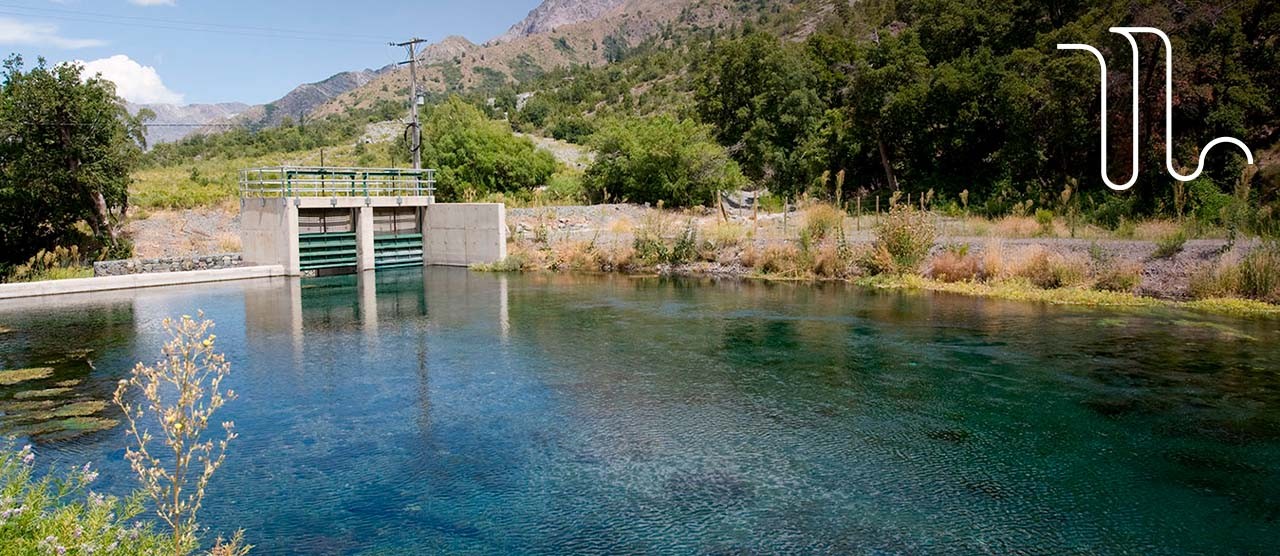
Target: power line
<point x="273" y="34"/>
<point x="235" y="27"/>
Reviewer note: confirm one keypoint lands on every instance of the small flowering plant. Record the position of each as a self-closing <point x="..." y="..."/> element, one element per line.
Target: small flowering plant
<point x="181" y="392"/>
<point x="59" y="513"/>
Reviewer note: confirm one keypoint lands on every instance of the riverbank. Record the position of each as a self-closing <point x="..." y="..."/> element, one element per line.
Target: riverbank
<point x="823" y="245"/>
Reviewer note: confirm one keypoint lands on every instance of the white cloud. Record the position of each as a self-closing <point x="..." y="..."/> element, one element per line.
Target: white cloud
<point x="134" y="82"/>
<point x="25" y="33"/>
<point x="152" y="2"/>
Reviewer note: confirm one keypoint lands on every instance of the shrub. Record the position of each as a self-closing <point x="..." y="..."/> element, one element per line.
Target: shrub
<point x="182" y="392"/>
<point x="903" y="240"/>
<point x="566" y="187"/>
<point x="58" y="513"/>
<point x="655" y="244"/>
<point x="954" y="264"/>
<point x="1051" y="270"/>
<point x="1118" y="277"/>
<point x="1170" y="245"/>
<point x="1256" y="275"/>
<point x="777" y="258"/>
<point x="575" y="255"/>
<point x="832" y="260"/>
<point x="56" y="264"/>
<point x="1260" y="273"/>
<point x="647" y="160"/>
<point x="476" y="154"/>
<point x="513" y="262"/>
<point x="993" y="263"/>
<point x="1044" y="219"/>
<point x="821" y="221"/>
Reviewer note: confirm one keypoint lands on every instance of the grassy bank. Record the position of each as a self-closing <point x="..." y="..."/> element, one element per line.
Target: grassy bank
<point x="906" y="251"/>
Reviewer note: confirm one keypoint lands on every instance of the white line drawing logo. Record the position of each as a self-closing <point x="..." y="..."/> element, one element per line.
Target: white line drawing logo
<point x="1128" y="33"/>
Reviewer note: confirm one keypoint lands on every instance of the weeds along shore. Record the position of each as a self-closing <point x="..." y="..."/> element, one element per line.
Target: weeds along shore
<point x="906" y="249"/>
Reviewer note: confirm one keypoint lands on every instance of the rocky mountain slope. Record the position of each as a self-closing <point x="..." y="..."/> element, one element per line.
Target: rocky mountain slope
<point x="305" y="98"/>
<point x="550" y="38"/>
<point x="184" y="114"/>
<point x="553" y="14"/>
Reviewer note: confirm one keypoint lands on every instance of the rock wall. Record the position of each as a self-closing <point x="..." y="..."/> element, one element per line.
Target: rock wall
<point x="174" y="264"/>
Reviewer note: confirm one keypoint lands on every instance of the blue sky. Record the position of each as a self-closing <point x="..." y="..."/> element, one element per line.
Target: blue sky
<point x="198" y="51"/>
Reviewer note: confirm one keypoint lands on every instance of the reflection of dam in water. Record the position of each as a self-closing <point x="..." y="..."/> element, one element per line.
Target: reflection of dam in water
<point x="369" y="300"/>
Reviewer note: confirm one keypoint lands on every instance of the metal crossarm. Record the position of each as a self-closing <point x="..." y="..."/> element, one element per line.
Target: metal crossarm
<point x="315" y="181"/>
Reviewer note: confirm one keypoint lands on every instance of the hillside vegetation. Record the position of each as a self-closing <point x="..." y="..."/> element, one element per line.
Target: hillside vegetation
<point x="965" y="106"/>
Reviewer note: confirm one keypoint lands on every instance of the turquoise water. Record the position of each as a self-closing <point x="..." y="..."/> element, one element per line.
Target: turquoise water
<point x="463" y="412"/>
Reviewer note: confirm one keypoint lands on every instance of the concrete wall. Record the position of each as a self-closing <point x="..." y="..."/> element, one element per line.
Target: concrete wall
<point x="461" y="234"/>
<point x="454" y="234"/>
<point x="269" y="233"/>
<point x="133" y="281"/>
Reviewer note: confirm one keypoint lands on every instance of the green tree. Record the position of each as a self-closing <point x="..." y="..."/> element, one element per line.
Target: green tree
<point x="478" y="155"/>
<point x="760" y="97"/>
<point x="67" y="146"/>
<point x="647" y="160"/>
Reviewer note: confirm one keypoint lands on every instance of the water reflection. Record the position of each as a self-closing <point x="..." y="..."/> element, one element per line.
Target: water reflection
<point x="444" y="410"/>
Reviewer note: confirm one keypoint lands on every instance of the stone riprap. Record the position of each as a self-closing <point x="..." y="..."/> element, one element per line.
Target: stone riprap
<point x="170" y="264"/>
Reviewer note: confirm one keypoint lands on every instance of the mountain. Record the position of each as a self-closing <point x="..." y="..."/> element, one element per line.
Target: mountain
<point x="558" y="33"/>
<point x="199" y="114"/>
<point x="552" y="14"/>
<point x="305" y="98"/>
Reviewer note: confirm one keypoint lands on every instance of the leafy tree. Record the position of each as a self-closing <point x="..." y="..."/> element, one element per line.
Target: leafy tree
<point x="67" y="146"/>
<point x="648" y="160"/>
<point x="478" y="155"/>
<point x="760" y="97"/>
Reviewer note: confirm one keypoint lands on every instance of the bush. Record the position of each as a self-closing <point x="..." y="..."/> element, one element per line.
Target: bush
<point x="58" y="514"/>
<point x="903" y="240"/>
<point x="655" y="243"/>
<point x="1044" y="219"/>
<point x="1051" y="270"/>
<point x="1170" y="245"/>
<point x="1256" y="275"/>
<point x="1260" y="273"/>
<point x="954" y="264"/>
<point x="476" y="156"/>
<point x="821" y="221"/>
<point x="1118" y="277"/>
<point x="647" y="160"/>
<point x="57" y="264"/>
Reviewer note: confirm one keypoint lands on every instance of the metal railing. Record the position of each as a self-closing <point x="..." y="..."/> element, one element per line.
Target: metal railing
<point x="316" y="181"/>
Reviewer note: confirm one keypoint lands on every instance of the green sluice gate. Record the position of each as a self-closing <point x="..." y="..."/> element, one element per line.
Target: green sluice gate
<point x="394" y="251"/>
<point x="326" y="250"/>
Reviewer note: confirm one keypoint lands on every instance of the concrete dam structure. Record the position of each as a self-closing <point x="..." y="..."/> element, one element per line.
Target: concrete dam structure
<point x="320" y="220"/>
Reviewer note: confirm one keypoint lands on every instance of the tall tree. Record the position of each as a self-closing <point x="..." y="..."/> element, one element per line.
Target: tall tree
<point x="67" y="146"/>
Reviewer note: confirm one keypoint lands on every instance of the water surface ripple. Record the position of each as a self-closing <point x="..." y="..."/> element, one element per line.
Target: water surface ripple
<point x="448" y="411"/>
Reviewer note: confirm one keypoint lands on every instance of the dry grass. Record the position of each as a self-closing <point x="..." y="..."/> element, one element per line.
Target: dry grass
<point x="1117" y="277"/>
<point x="725" y="235"/>
<point x="821" y="221"/>
<point x="1049" y="270"/>
<point x="1251" y="275"/>
<point x="1156" y="230"/>
<point x="955" y="265"/>
<point x="1015" y="227"/>
<point x="228" y="242"/>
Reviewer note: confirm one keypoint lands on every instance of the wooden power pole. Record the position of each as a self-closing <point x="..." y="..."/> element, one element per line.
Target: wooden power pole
<point x="415" y="141"/>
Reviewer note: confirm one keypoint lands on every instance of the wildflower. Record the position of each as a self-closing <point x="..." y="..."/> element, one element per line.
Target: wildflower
<point x="28" y="456"/>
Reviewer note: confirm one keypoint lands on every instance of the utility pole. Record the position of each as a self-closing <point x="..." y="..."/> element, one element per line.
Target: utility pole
<point x="415" y="142"/>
